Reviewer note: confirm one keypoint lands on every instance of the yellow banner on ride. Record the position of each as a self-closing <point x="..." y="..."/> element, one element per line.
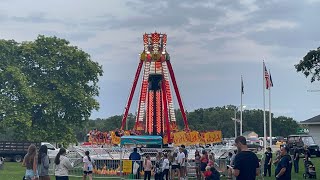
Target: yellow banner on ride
<point x="179" y="138"/>
<point x="213" y="137"/>
<point x="192" y="138"/>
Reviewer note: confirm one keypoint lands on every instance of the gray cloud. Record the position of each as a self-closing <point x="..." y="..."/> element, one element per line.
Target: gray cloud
<point x="211" y="44"/>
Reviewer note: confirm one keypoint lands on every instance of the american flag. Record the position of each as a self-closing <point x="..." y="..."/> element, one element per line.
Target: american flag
<point x="271" y="83"/>
<point x="267" y="77"/>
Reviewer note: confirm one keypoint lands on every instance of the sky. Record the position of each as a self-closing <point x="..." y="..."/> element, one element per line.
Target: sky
<point x="211" y="44"/>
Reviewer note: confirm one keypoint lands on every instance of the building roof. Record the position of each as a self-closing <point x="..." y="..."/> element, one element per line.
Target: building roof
<point x="313" y="120"/>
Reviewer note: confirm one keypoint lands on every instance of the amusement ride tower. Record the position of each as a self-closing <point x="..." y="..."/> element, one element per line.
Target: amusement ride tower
<point x="155" y="115"/>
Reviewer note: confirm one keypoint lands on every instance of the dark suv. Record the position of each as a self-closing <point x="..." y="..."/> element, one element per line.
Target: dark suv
<point x="299" y="141"/>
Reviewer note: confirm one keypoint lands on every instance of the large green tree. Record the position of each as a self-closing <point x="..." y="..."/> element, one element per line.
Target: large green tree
<point x="47" y="88"/>
<point x="310" y="65"/>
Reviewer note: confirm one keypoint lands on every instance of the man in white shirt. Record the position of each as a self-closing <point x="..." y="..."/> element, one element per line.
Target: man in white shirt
<point x="182" y="162"/>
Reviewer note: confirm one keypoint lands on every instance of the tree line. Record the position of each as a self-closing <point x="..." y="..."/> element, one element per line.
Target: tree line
<point x="206" y="119"/>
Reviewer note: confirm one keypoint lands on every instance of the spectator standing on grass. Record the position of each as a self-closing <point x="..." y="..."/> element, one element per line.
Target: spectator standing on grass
<point x="43" y="163"/>
<point x="267" y="162"/>
<point x="63" y="165"/>
<point x="158" y="167"/>
<point x="182" y="162"/>
<point x="203" y="162"/>
<point x="147" y="165"/>
<point x="283" y="169"/>
<point x="175" y="166"/>
<point x="246" y="163"/>
<point x="30" y="162"/>
<point x="296" y="160"/>
<point x="197" y="164"/>
<point x="87" y="166"/>
<point x="165" y="167"/>
<point x="135" y="157"/>
<point x="185" y="151"/>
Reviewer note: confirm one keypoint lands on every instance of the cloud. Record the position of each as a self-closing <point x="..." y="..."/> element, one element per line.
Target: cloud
<point x="210" y="42"/>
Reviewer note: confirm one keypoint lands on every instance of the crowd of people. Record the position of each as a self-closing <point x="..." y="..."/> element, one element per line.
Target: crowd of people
<point x="37" y="164"/>
<point x="170" y="165"/>
<point x="242" y="164"/>
<point x="104" y="137"/>
<point x="245" y="165"/>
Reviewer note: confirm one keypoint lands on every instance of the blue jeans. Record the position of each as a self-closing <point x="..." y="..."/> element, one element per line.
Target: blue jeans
<point x="30" y="174"/>
<point x="296" y="166"/>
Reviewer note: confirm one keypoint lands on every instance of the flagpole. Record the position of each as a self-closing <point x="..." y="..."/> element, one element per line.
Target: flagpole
<point x="241" y="107"/>
<point x="270" y="121"/>
<point x="264" y="110"/>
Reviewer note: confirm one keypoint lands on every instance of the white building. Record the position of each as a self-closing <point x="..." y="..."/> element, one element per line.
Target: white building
<point x="314" y="127"/>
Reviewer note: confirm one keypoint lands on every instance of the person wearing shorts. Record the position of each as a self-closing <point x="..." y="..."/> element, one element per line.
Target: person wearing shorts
<point x="87" y="166"/>
<point x="182" y="162"/>
<point x="175" y="167"/>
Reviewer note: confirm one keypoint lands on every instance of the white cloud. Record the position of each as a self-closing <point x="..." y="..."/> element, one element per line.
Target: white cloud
<point x="275" y="24"/>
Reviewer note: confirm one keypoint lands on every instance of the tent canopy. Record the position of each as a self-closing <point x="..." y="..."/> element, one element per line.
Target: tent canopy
<point x="141" y="140"/>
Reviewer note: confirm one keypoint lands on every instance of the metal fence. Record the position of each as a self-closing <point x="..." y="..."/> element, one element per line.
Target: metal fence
<point x="108" y="163"/>
<point x="114" y="163"/>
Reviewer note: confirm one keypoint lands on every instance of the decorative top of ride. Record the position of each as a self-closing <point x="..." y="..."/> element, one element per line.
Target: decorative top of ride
<point x="154" y="47"/>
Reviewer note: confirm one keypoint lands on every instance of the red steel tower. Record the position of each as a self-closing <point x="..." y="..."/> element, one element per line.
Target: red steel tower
<point x="155" y="113"/>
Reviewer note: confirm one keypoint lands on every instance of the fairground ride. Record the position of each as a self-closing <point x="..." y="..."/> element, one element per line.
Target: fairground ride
<point x="155" y="113"/>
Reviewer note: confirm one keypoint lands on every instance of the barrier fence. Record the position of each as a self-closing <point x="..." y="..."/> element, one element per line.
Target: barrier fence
<point x="111" y="169"/>
<point x="114" y="164"/>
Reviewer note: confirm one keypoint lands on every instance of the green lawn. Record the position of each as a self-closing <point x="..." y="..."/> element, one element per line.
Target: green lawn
<point x="14" y="171"/>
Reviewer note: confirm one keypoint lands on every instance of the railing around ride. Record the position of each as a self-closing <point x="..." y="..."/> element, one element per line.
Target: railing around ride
<point x="108" y="163"/>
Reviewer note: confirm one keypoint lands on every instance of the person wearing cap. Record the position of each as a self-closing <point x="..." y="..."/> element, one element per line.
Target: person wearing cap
<point x="283" y="169"/>
<point x="246" y="163"/>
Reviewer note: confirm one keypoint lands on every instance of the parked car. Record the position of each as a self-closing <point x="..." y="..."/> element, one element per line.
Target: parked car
<point x="300" y="141"/>
<point x="254" y="144"/>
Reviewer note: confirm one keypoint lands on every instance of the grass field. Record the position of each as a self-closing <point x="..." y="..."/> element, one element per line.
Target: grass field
<point x="14" y="171"/>
<point x="297" y="176"/>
